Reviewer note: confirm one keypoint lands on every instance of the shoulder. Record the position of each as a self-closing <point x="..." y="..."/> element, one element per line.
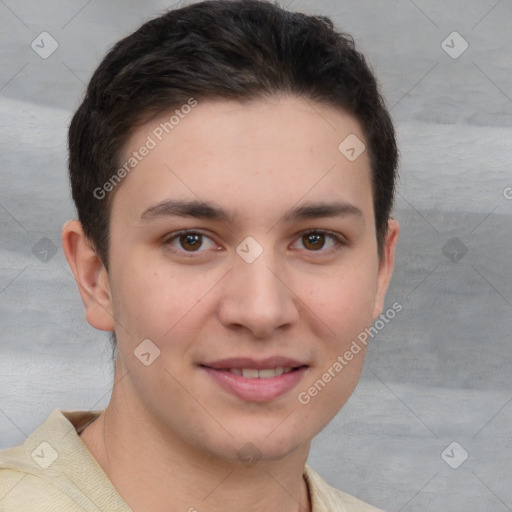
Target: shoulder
<point x="52" y="471"/>
<point x="22" y="489"/>
<point x="325" y="498"/>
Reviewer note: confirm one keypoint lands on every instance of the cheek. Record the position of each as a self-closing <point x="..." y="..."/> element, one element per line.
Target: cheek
<point x="153" y="300"/>
<point x="344" y="301"/>
<point x="142" y="296"/>
<point x="345" y="306"/>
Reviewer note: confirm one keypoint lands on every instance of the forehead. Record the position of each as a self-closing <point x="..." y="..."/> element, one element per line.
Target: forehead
<point x="251" y="157"/>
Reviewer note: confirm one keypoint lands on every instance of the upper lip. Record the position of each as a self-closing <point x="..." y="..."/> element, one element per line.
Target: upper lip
<point x="258" y="364"/>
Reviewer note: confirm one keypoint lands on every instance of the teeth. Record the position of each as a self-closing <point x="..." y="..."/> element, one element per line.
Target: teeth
<point x="267" y="373"/>
<point x="250" y="373"/>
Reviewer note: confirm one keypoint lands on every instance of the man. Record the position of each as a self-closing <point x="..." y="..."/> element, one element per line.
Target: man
<point x="233" y="169"/>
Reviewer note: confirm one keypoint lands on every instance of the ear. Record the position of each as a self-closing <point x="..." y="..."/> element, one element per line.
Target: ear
<point x="386" y="265"/>
<point x="90" y="275"/>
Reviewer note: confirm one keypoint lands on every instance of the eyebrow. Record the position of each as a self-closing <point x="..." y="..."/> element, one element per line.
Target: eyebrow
<point x="211" y="211"/>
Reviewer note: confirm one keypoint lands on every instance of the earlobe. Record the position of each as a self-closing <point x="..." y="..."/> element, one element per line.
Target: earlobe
<point x="386" y="265"/>
<point x="90" y="275"/>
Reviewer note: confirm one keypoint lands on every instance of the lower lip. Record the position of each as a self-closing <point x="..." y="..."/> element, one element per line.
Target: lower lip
<point x="256" y="390"/>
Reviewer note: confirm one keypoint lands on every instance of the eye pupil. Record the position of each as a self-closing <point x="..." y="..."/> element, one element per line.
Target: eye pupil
<point x="315" y="240"/>
<point x="192" y="241"/>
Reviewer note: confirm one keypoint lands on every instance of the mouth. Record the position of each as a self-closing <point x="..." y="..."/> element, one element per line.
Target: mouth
<point x="256" y="381"/>
<point x="254" y="373"/>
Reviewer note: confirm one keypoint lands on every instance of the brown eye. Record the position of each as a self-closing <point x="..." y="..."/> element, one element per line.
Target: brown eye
<point x="321" y="241"/>
<point x="190" y="242"/>
<point x="314" y="241"/>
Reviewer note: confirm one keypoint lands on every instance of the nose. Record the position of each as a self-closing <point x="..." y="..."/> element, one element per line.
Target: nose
<point x="257" y="298"/>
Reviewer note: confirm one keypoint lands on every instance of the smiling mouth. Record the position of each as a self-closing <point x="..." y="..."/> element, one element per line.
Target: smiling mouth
<point x="261" y="384"/>
<point x="253" y="373"/>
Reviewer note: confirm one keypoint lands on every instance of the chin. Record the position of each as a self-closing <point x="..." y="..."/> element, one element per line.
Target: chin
<point x="262" y="444"/>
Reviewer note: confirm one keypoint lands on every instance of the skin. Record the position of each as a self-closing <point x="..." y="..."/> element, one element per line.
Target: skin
<point x="170" y="434"/>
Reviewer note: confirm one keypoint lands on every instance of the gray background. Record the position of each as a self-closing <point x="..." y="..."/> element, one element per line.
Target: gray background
<point x="438" y="373"/>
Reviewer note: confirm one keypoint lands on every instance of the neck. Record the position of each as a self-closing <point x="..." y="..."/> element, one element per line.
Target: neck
<point x="149" y="466"/>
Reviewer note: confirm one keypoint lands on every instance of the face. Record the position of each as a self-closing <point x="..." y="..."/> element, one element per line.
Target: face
<point x="243" y="246"/>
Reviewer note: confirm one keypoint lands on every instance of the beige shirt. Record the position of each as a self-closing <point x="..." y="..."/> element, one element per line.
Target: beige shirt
<point x="53" y="471"/>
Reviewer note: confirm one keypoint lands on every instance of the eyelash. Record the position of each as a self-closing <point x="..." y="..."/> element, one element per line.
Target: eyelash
<point x="340" y="242"/>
